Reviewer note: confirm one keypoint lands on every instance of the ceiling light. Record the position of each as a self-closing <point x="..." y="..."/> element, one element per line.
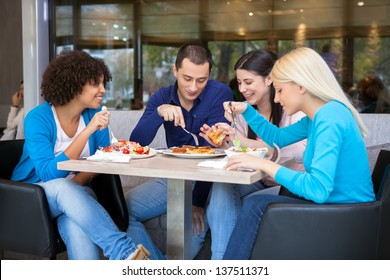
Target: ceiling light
<point x="360" y="3"/>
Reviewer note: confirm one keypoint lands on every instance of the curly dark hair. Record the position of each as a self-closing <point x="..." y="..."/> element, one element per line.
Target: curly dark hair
<point x="67" y="74"/>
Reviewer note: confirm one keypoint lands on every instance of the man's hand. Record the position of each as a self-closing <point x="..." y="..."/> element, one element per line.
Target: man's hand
<point x="171" y="113"/>
<point x="197" y="219"/>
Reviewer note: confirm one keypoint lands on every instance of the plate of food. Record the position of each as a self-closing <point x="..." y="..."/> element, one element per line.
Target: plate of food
<point x="123" y="151"/>
<point x="187" y="151"/>
<point x="234" y="151"/>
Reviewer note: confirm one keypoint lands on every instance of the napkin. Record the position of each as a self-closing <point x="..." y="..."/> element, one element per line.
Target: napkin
<point x="217" y="164"/>
<point x="113" y="157"/>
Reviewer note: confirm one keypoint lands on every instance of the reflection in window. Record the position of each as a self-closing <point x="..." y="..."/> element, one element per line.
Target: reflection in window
<point x="139" y="39"/>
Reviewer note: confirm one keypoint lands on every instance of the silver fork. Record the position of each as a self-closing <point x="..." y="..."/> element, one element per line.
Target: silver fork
<point x="236" y="141"/>
<point x="193" y="136"/>
<point x="113" y="138"/>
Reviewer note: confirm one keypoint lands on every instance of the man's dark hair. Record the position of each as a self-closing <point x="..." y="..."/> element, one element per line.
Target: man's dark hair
<point x="196" y="53"/>
<point x="67" y="74"/>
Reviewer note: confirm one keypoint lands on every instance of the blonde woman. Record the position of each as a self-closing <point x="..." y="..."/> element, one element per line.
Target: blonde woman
<point x="334" y="133"/>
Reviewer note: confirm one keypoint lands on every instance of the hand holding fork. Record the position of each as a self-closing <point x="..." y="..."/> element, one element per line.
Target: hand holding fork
<point x="236" y="141"/>
<point x="113" y="139"/>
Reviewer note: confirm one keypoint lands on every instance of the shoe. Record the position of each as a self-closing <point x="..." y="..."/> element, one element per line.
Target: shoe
<point x="141" y="253"/>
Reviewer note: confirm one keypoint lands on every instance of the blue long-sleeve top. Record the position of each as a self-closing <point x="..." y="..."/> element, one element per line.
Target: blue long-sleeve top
<point x="38" y="162"/>
<point x="335" y="159"/>
<point x="207" y="109"/>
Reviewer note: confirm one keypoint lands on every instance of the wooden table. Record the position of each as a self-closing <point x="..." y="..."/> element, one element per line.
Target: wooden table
<point x="180" y="173"/>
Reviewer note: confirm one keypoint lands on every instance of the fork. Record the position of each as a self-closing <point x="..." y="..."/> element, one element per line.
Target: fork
<point x="193" y="136"/>
<point x="113" y="138"/>
<point x="236" y="141"/>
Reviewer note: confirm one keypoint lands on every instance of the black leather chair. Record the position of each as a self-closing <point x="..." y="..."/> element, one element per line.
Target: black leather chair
<point x="330" y="231"/>
<point x="25" y="222"/>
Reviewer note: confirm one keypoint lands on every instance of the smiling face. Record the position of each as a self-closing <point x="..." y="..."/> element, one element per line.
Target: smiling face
<point x="92" y="94"/>
<point x="290" y="96"/>
<point x="191" y="80"/>
<point x="255" y="88"/>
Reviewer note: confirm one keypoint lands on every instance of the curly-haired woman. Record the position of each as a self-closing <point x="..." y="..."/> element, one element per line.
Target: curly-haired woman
<point x="71" y="125"/>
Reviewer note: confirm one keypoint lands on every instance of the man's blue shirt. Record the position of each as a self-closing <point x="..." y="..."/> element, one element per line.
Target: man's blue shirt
<point x="207" y="109"/>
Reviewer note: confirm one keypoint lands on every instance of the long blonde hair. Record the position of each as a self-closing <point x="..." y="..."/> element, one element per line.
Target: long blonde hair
<point x="307" y="68"/>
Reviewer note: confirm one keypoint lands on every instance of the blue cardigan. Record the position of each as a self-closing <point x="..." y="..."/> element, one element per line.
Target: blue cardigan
<point x="38" y="162"/>
<point x="335" y="159"/>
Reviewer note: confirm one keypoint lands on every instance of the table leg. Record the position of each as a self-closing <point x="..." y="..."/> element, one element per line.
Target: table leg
<point x="179" y="216"/>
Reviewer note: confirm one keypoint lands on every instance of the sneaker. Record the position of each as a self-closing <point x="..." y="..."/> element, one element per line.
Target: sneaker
<point x="141" y="253"/>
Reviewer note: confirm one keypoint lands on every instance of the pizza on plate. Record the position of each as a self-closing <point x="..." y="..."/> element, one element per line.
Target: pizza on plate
<point x="126" y="147"/>
<point x="187" y="149"/>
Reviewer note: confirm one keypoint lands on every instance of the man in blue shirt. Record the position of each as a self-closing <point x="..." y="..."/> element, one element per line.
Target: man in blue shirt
<point x="192" y="101"/>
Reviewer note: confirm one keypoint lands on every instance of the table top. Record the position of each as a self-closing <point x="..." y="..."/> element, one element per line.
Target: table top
<point x="170" y="167"/>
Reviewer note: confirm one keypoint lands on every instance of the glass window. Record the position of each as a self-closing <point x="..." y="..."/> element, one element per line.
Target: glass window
<point x="139" y="39"/>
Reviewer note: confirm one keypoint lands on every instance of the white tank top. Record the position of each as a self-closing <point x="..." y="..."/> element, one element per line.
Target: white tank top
<point x="63" y="141"/>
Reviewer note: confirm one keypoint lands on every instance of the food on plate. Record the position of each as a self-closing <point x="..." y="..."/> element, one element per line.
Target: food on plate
<point x="187" y="149"/>
<point x="216" y="137"/>
<point x="233" y="151"/>
<point x="126" y="147"/>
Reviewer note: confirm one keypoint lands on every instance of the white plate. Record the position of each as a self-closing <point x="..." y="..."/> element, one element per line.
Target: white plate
<point x="218" y="153"/>
<point x="118" y="157"/>
<point x="152" y="152"/>
<point x="260" y="152"/>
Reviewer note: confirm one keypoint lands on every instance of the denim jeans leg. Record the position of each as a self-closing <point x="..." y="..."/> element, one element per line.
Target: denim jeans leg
<point x="66" y="197"/>
<point x="197" y="241"/>
<point x="222" y="212"/>
<point x="144" y="202"/>
<point x="244" y="234"/>
<point x="78" y="244"/>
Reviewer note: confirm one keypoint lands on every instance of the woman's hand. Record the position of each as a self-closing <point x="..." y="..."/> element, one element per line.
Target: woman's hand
<point x="197" y="219"/>
<point x="234" y="107"/>
<point x="244" y="161"/>
<point x="253" y="162"/>
<point x="99" y="121"/>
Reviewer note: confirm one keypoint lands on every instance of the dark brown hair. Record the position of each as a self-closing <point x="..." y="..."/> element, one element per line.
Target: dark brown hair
<point x="196" y="53"/>
<point x="67" y="74"/>
<point x="261" y="63"/>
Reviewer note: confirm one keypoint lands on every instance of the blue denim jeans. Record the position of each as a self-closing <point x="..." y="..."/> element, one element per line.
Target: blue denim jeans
<point x="147" y="201"/>
<point x="244" y="234"/>
<point x="83" y="222"/>
<point x="221" y="215"/>
<point x="144" y="202"/>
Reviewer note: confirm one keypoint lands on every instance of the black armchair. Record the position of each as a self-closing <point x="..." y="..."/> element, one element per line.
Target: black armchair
<point x="330" y="231"/>
<point x="25" y="222"/>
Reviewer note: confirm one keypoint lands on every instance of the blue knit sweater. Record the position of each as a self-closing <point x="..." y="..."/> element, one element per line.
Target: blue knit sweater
<point x="335" y="159"/>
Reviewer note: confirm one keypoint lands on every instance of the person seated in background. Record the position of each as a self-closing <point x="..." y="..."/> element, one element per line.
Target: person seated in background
<point x="373" y="95"/>
<point x="14" y="129"/>
<point x="255" y="85"/>
<point x="334" y="131"/>
<point x="191" y="102"/>
<point x="71" y="125"/>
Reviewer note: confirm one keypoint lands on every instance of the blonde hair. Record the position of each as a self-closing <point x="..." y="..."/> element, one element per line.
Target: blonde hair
<point x="307" y="68"/>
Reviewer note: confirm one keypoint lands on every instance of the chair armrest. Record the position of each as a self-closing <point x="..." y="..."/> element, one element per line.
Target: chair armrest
<point x="25" y="221"/>
<point x="313" y="231"/>
<point x="109" y="192"/>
